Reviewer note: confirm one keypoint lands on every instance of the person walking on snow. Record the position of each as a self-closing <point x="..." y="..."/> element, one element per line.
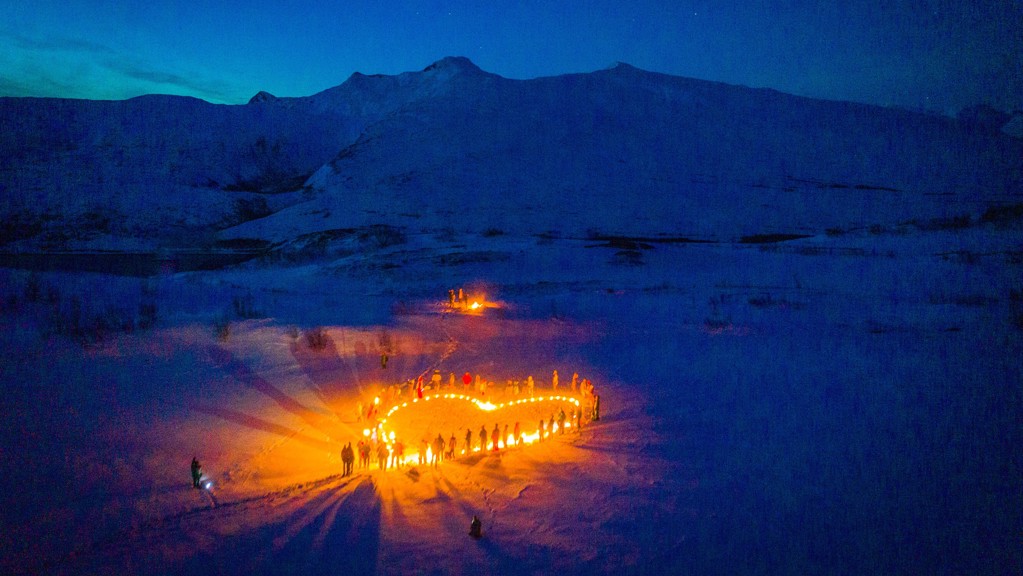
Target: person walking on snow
<point x="196" y="472"/>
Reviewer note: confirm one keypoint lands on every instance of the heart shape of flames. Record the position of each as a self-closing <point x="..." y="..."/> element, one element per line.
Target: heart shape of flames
<point x="382" y="429"/>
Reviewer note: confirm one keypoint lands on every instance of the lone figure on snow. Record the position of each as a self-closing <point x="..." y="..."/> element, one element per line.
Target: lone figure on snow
<point x="196" y="472"/>
<point x="475" y="527"/>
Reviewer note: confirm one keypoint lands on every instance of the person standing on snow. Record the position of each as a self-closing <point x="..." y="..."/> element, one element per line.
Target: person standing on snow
<point x="468" y="441"/>
<point x="347" y="459"/>
<point x="399" y="454"/>
<point x="561" y="421"/>
<point x="475" y="527"/>
<point x="497" y="435"/>
<point x="518" y="434"/>
<point x="438" y="450"/>
<point x="541" y="429"/>
<point x="196" y="472"/>
<point x="452" y="444"/>
<point x="596" y="407"/>
<point x="483" y="438"/>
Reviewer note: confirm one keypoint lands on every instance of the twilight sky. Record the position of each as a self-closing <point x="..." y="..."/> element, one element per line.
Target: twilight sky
<point x="938" y="55"/>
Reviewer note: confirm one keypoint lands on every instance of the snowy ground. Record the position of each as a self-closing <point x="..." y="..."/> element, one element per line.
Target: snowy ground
<point x="838" y="404"/>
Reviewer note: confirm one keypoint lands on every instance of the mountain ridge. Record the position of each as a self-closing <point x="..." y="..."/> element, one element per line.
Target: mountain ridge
<point x="662" y="154"/>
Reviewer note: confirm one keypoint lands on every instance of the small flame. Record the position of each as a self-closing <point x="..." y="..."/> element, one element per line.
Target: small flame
<point x="475" y="305"/>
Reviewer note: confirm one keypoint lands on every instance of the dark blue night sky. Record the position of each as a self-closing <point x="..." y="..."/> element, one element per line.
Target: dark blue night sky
<point x="939" y="55"/>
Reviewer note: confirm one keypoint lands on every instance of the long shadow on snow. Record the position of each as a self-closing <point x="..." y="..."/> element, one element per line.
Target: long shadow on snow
<point x="331" y="534"/>
<point x="325" y="367"/>
<point x="228" y="362"/>
<point x="264" y="426"/>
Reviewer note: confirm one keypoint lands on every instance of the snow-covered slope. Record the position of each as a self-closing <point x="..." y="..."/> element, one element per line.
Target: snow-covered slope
<point x="665" y="156"/>
<point x="167" y="171"/>
<point x="453" y="147"/>
<point x="844" y="402"/>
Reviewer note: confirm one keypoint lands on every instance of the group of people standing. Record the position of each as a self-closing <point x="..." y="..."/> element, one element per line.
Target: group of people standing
<point x="433" y="451"/>
<point x="436" y="382"/>
<point x="459" y="299"/>
<point x="387" y="455"/>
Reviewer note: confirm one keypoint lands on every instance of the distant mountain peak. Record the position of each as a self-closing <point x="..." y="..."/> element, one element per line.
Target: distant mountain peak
<point x="262" y="96"/>
<point x="622" y="66"/>
<point x="453" y="64"/>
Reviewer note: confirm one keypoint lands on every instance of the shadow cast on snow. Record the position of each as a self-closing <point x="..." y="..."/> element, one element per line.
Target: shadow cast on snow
<point x="333" y="533"/>
<point x="238" y="370"/>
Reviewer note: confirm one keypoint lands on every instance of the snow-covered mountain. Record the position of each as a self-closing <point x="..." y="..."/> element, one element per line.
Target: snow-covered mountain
<point x="454" y="147"/>
<point x="846" y="401"/>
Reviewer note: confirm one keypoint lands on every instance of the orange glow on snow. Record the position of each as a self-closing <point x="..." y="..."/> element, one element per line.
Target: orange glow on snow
<point x="407" y="426"/>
